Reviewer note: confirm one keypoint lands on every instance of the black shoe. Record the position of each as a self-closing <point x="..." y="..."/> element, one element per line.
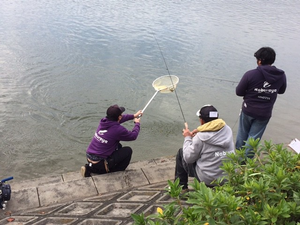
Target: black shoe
<point x="85" y="171"/>
<point x="184" y="187"/>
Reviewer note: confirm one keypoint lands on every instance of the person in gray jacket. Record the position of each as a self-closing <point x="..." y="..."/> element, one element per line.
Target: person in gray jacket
<point x="204" y="149"/>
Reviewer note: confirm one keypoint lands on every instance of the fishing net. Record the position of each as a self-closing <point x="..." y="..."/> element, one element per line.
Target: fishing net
<point x="165" y="84"/>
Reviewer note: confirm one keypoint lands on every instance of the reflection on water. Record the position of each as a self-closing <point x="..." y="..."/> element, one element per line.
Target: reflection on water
<point x="62" y="63"/>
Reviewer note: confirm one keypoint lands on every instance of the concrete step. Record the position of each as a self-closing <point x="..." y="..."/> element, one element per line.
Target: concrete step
<point x="51" y="190"/>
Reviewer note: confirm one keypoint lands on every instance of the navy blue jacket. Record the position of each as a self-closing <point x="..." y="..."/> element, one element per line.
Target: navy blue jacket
<point x="259" y="88"/>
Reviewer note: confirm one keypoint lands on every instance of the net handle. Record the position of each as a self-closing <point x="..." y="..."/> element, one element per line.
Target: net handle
<point x="156" y="94"/>
<point x="150" y="101"/>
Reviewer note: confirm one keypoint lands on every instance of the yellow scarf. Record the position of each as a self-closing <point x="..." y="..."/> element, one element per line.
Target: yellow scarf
<point x="213" y="125"/>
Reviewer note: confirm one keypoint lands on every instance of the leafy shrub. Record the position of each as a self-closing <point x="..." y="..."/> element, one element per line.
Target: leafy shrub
<point x="262" y="190"/>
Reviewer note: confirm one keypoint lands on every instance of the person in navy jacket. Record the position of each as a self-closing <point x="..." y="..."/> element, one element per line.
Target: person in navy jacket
<point x="259" y="88"/>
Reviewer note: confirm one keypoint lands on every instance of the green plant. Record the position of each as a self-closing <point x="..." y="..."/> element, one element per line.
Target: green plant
<point x="262" y="190"/>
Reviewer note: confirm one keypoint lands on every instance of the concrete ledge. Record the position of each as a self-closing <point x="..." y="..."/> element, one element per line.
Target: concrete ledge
<point x="35" y="182"/>
<point x="24" y="199"/>
<point x="160" y="172"/>
<point x="120" y="180"/>
<point x="72" y="176"/>
<point x="67" y="191"/>
<point x="51" y="190"/>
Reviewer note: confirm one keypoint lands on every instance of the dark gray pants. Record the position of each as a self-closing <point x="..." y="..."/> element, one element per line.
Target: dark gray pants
<point x="184" y="170"/>
<point x="118" y="161"/>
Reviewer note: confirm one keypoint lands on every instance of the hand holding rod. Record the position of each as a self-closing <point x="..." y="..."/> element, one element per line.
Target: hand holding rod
<point x="186" y="125"/>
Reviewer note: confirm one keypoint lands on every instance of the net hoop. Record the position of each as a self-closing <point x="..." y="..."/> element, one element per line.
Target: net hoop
<point x="166" y="83"/>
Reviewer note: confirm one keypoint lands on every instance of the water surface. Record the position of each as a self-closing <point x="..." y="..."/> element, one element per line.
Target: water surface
<point x="62" y="63"/>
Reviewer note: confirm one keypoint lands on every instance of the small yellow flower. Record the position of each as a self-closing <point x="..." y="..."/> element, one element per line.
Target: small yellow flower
<point x="159" y="210"/>
<point x="206" y="224"/>
<point x="247" y="198"/>
<point x="238" y="208"/>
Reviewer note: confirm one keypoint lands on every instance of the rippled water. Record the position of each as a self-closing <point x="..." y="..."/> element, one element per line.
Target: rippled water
<point x="62" y="63"/>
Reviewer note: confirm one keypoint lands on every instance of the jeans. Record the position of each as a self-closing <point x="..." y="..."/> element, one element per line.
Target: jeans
<point x="249" y="127"/>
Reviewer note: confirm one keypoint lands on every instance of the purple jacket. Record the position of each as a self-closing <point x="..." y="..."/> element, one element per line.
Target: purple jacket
<point x="260" y="87"/>
<point x="109" y="134"/>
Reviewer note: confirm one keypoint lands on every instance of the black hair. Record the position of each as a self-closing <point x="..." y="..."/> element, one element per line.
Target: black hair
<point x="266" y="55"/>
<point x="113" y="112"/>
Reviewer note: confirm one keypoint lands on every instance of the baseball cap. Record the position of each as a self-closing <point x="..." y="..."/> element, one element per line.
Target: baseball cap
<point x="113" y="112"/>
<point x="208" y="113"/>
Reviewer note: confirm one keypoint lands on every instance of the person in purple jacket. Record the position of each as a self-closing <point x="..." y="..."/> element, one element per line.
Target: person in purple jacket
<point x="259" y="88"/>
<point x="105" y="153"/>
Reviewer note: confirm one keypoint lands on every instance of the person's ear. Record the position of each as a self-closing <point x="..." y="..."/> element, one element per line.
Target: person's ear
<point x="259" y="62"/>
<point x="202" y="121"/>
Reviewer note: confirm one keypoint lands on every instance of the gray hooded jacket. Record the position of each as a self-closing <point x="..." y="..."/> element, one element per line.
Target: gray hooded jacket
<point x="209" y="148"/>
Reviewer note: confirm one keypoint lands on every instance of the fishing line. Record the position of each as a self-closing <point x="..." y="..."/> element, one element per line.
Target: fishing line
<point x="220" y="79"/>
<point x="237" y="119"/>
<point x="185" y="123"/>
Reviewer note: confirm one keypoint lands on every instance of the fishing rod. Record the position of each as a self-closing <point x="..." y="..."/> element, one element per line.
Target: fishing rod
<point x="185" y="123"/>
